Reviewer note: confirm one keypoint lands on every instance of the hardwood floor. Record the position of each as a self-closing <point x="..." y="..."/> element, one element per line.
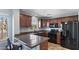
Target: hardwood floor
<point x="52" y="46"/>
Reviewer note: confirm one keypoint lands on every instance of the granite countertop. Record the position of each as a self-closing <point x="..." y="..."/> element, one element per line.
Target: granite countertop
<point x="33" y="30"/>
<point x="23" y="30"/>
<point x="32" y="40"/>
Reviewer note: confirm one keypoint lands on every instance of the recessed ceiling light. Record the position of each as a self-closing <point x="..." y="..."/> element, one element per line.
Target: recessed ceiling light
<point x="48" y="14"/>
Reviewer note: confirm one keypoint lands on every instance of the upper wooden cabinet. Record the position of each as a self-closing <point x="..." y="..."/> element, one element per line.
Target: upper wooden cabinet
<point x="25" y="21"/>
<point x="63" y="19"/>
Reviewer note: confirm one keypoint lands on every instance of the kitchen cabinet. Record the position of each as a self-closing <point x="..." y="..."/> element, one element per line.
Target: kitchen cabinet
<point x="25" y="21"/>
<point x="44" y="45"/>
<point x="63" y="19"/>
<point x="58" y="40"/>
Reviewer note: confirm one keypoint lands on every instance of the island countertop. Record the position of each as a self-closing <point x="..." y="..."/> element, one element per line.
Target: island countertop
<point x="32" y="40"/>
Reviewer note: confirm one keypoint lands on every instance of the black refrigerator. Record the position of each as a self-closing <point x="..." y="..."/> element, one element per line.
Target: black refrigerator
<point x="71" y="39"/>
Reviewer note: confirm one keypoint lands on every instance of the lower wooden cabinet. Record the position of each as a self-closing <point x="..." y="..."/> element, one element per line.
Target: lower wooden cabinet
<point x="58" y="40"/>
<point x="44" y="45"/>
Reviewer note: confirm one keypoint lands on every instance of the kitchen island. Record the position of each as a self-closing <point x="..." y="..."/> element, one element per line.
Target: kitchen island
<point x="32" y="41"/>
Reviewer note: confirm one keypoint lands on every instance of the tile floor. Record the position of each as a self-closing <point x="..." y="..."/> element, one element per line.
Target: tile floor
<point x="52" y="46"/>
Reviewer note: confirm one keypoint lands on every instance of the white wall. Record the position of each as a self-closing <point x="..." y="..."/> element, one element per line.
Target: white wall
<point x="5" y="11"/>
<point x="16" y="16"/>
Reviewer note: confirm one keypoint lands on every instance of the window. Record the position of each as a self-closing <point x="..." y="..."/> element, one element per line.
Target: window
<point x="3" y="28"/>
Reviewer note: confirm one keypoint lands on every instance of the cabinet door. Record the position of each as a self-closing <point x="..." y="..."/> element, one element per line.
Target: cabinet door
<point x="23" y="21"/>
<point x="44" y="45"/>
<point x="29" y="21"/>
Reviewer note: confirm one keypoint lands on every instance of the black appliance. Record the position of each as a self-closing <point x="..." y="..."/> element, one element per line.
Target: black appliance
<point x="52" y="35"/>
<point x="70" y="35"/>
<point x="53" y="25"/>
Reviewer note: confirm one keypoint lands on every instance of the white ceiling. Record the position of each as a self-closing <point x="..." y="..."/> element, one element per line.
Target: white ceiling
<point x="50" y="13"/>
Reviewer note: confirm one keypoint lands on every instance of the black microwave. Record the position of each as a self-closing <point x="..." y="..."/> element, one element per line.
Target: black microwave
<point x="53" y="26"/>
